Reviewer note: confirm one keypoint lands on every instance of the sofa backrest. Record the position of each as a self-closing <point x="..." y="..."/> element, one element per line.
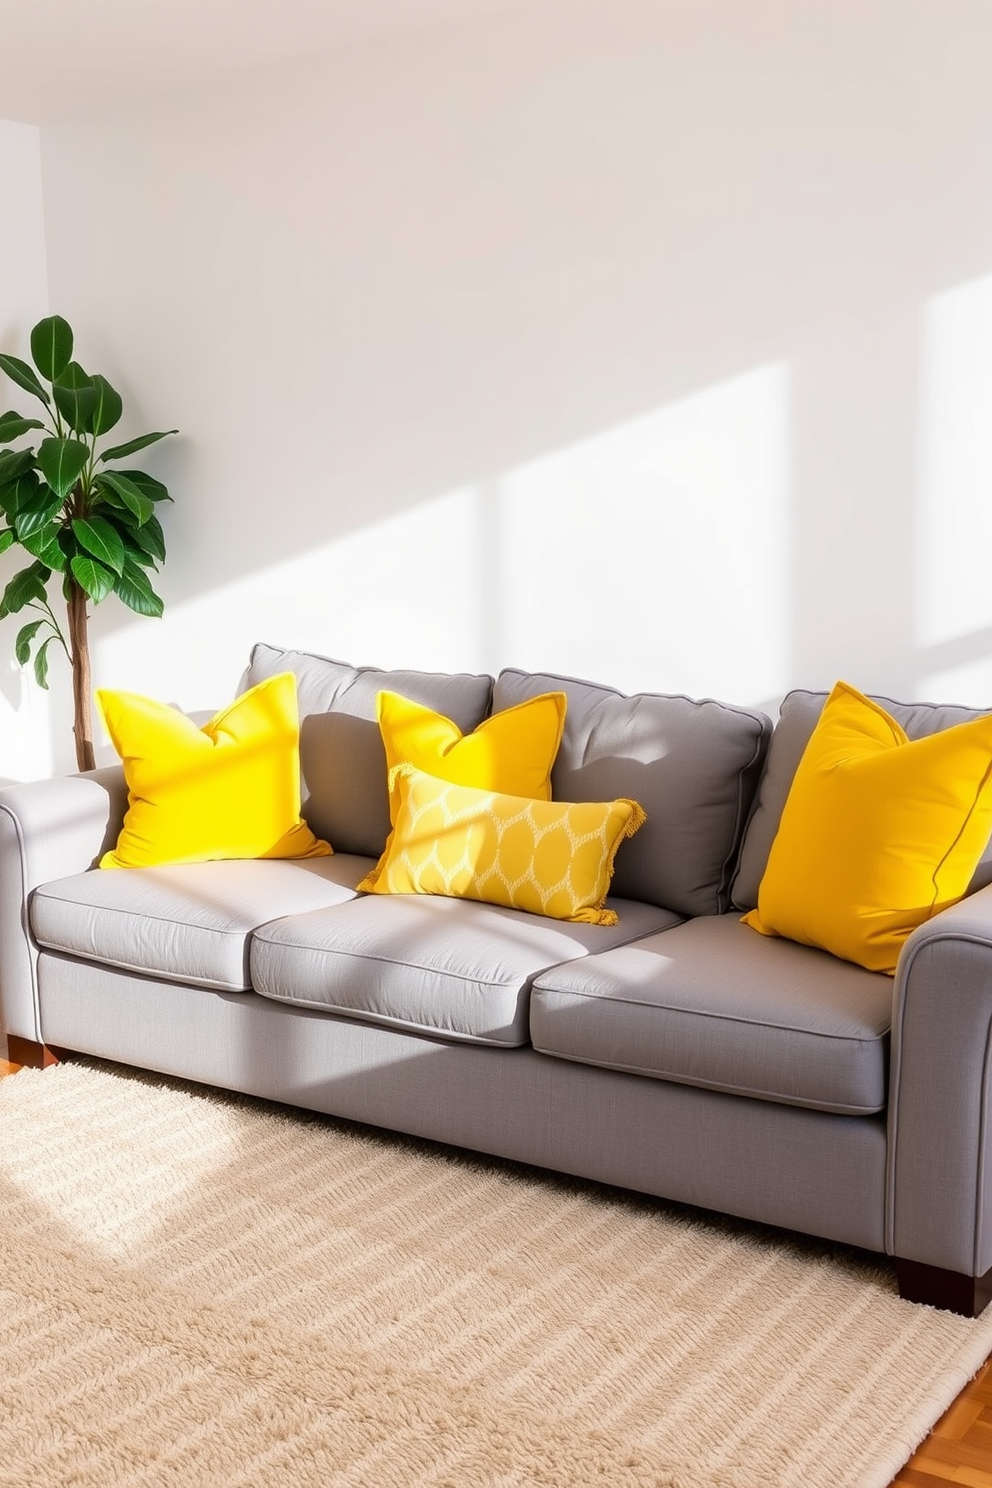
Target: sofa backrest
<point x="342" y="758"/>
<point x="691" y="763"/>
<point x="797" y="720"/>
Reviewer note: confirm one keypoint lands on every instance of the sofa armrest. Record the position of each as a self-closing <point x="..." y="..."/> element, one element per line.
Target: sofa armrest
<point x="48" y="829"/>
<point x="939" y="1184"/>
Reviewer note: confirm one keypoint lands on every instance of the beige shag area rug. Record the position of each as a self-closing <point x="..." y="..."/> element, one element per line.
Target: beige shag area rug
<point x="202" y="1290"/>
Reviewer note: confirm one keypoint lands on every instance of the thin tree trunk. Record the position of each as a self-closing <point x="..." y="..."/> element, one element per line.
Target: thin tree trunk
<point x="82" y="713"/>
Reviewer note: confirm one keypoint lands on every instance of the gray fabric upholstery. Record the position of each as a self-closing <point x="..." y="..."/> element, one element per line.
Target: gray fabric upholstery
<point x="419" y="961"/>
<point x="781" y="1165"/>
<point x="341" y="754"/>
<point x="940" y="1108"/>
<point x="189" y="922"/>
<point x="712" y="1003"/>
<point x="798" y="718"/>
<point x="47" y="828"/>
<point x="424" y="1043"/>
<point x="692" y="764"/>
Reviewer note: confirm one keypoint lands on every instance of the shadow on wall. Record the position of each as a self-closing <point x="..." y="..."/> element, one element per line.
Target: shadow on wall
<point x="587" y="342"/>
<point x="669" y="553"/>
<point x="953" y="595"/>
<point x="618" y="558"/>
<point x="665" y="554"/>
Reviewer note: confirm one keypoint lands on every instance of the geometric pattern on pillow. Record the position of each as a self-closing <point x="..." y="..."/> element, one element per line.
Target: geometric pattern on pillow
<point x="551" y="858"/>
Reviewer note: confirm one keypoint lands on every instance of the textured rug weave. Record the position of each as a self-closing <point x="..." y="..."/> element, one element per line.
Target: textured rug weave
<point x="201" y="1290"/>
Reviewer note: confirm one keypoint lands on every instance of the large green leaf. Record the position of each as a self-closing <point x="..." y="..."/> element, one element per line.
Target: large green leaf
<point x="100" y="540"/>
<point x="12" y="426"/>
<point x="133" y="445"/>
<point x="22" y="645"/>
<point x="130" y="532"/>
<point x="108" y="407"/>
<point x="7" y="539"/>
<point x="152" y="488"/>
<point x="94" y="578"/>
<point x="62" y="462"/>
<point x="51" y="346"/>
<point x="130" y="495"/>
<point x="25" y="586"/>
<point x="35" y="515"/>
<point x="114" y="509"/>
<point x="14" y="464"/>
<point x="75" y="397"/>
<point x="19" y="493"/>
<point x="44" y="544"/>
<point x="133" y="588"/>
<point x="24" y="376"/>
<point x="149" y="537"/>
<point x="41" y="663"/>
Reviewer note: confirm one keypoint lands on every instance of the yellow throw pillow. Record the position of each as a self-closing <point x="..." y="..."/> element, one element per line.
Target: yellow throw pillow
<point x="548" y="857"/>
<point x="879" y="832"/>
<point x="510" y="752"/>
<point x="228" y="790"/>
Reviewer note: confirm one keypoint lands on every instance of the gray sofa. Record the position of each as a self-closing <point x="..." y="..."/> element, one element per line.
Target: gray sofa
<point x="677" y="1053"/>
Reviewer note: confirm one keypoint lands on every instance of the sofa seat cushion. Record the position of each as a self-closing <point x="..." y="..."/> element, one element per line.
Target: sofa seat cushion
<point x="449" y="967"/>
<point x="710" y="1003"/>
<point x="191" y="922"/>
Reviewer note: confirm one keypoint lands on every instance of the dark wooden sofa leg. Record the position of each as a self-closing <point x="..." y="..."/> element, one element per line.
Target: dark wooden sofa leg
<point x="28" y="1053"/>
<point x="954" y="1292"/>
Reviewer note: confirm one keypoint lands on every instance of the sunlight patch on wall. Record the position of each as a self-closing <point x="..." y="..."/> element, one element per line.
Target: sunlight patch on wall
<point x="655" y="555"/>
<point x="399" y="592"/>
<point x="969" y="684"/>
<point x="954" y="520"/>
<point x="652" y="556"/>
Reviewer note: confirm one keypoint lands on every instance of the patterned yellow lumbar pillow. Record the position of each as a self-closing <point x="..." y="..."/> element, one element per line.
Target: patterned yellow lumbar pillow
<point x="228" y="790"/>
<point x="548" y="857"/>
<point x="511" y="752"/>
<point x="878" y="833"/>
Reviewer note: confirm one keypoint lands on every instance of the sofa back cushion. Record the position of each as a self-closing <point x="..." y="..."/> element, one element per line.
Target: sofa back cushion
<point x="692" y="764"/>
<point x="799" y="715"/>
<point x="342" y="757"/>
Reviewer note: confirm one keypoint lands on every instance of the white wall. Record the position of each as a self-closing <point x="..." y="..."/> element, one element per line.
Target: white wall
<point x="25" y="723"/>
<point x="648" y="342"/>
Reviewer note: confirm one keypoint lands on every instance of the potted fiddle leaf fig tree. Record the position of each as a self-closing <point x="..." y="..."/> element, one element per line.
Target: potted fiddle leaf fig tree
<point x="74" y="512"/>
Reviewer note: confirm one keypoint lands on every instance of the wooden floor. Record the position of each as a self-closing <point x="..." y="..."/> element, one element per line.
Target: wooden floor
<point x="958" y="1450"/>
<point x="956" y="1454"/>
